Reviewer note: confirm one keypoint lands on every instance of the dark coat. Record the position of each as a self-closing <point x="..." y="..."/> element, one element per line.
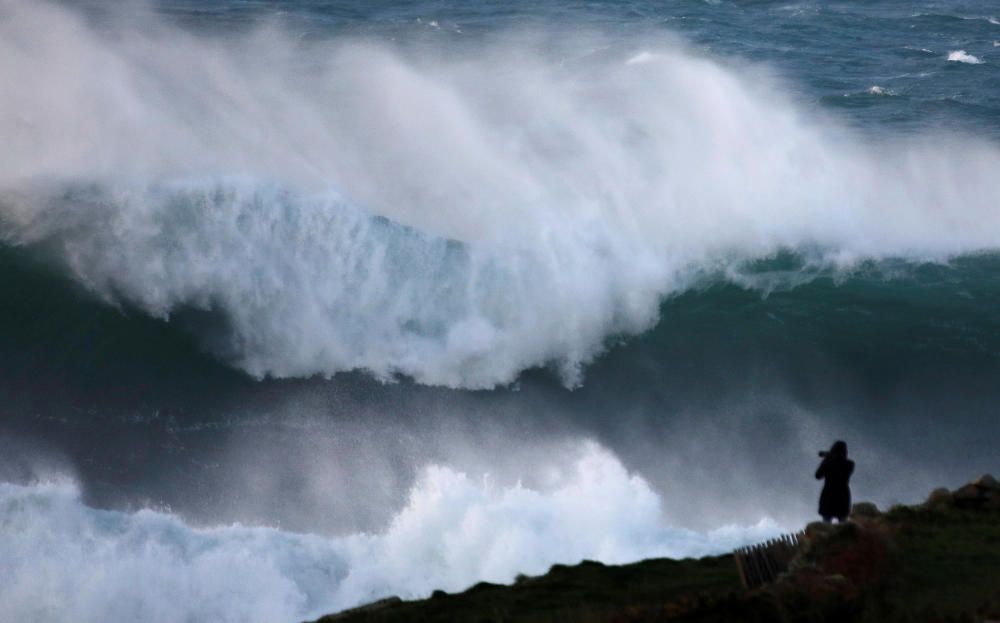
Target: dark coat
<point x="835" y="500"/>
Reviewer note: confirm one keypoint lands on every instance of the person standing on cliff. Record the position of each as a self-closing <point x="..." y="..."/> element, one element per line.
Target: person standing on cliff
<point x="836" y="469"/>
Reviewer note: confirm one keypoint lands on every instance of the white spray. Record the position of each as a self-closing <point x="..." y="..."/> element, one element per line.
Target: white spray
<point x="540" y="198"/>
<point x="62" y="560"/>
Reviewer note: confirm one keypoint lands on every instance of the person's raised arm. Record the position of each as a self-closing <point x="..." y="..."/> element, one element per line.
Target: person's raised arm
<point x="821" y="470"/>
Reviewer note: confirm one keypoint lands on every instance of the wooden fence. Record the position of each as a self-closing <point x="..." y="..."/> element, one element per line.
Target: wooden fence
<point x="762" y="563"/>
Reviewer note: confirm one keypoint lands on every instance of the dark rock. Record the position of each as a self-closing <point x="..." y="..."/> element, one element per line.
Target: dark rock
<point x="988" y="482"/>
<point x="971" y="496"/>
<point x="818" y="529"/>
<point x="939" y="498"/>
<point x="865" y="510"/>
<point x="366" y="609"/>
<point x="484" y="586"/>
<point x="591" y="563"/>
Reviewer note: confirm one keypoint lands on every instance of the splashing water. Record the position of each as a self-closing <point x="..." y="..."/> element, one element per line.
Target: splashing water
<point x="63" y="557"/>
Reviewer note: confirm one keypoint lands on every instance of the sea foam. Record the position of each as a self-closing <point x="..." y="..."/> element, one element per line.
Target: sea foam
<point x="63" y="560"/>
<point x="961" y="56"/>
<point x="404" y="209"/>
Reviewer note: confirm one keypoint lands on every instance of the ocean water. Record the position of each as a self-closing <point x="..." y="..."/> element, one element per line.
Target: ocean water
<point x="309" y="303"/>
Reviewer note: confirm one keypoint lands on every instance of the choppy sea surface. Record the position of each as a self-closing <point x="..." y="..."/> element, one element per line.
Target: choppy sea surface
<point x="309" y="303"/>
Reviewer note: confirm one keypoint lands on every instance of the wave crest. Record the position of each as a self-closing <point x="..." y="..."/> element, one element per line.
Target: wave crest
<point x="961" y="56"/>
<point x="62" y="559"/>
<point x="456" y="218"/>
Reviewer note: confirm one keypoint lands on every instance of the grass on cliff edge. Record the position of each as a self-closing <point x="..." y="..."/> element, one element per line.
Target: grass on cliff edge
<point x="947" y="561"/>
<point x="945" y="566"/>
<point x="584" y="593"/>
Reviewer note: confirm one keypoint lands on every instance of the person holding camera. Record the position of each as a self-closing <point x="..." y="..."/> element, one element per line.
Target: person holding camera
<point x="836" y="469"/>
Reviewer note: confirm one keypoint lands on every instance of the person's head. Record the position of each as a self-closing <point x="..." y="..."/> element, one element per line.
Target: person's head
<point x="839" y="449"/>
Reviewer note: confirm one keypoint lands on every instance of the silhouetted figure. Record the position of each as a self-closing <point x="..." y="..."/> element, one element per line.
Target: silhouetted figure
<point x="836" y="468"/>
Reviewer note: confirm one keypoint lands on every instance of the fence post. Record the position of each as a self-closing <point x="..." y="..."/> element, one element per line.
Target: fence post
<point x="762" y="563"/>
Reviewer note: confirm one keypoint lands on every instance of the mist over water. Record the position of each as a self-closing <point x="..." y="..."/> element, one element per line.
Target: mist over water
<point x="150" y="565"/>
<point x="356" y="205"/>
<point x="372" y="301"/>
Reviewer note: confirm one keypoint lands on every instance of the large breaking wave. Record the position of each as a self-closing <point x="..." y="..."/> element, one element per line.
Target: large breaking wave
<point x="62" y="557"/>
<point x="416" y="209"/>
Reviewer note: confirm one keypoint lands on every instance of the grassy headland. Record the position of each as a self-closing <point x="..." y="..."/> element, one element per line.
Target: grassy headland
<point x="936" y="562"/>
